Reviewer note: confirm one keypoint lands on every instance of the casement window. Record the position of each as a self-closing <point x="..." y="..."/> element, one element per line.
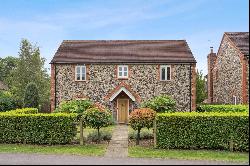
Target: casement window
<point x="165" y="72"/>
<point x="234" y="100"/>
<point x="80" y="73"/>
<point x="122" y="71"/>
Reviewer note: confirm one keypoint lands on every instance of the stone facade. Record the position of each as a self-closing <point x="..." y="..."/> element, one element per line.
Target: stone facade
<point x="228" y="75"/>
<point x="143" y="81"/>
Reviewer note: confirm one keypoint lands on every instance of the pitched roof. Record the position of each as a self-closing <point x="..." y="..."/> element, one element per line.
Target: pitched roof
<point x="3" y="86"/>
<point x="240" y="40"/>
<point x="123" y="51"/>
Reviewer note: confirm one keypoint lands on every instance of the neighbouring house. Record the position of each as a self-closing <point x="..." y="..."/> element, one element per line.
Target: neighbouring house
<point x="120" y="74"/>
<point x="3" y="87"/>
<point x="228" y="71"/>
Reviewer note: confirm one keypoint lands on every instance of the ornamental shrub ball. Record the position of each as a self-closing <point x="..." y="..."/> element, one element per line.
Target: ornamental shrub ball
<point x="140" y="118"/>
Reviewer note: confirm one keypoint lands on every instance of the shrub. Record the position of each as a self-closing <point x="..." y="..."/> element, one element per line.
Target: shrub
<point x="93" y="136"/>
<point x="140" y="118"/>
<point x="37" y="128"/>
<point x="8" y="102"/>
<point x="74" y="106"/>
<point x="222" y="108"/>
<point x="31" y="96"/>
<point x="212" y="130"/>
<point x="162" y="103"/>
<point x="97" y="118"/>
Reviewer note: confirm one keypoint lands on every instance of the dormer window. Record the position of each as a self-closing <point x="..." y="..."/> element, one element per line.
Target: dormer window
<point x="165" y="72"/>
<point x="80" y="73"/>
<point x="122" y="71"/>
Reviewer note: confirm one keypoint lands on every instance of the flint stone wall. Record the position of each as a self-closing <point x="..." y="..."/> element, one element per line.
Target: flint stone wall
<point x="143" y="80"/>
<point x="229" y="80"/>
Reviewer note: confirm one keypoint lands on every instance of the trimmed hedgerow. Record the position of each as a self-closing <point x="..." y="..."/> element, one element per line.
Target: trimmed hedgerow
<point x="24" y="111"/>
<point x="222" y="108"/>
<point x="55" y="128"/>
<point x="212" y="130"/>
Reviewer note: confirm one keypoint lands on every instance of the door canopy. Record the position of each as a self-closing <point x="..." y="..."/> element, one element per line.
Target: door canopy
<point x="123" y="87"/>
<point x="119" y="91"/>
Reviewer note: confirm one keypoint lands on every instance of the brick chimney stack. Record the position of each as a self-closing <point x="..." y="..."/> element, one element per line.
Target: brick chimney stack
<point x="211" y="58"/>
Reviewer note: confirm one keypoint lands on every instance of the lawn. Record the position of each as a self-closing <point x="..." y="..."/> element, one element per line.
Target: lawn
<point x="150" y="152"/>
<point x="86" y="150"/>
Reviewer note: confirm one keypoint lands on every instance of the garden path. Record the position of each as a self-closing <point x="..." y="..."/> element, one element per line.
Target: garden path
<point x="118" y="146"/>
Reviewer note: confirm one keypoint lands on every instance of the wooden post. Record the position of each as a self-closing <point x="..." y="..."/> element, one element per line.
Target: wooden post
<point x="155" y="133"/>
<point x="81" y="131"/>
<point x="231" y="145"/>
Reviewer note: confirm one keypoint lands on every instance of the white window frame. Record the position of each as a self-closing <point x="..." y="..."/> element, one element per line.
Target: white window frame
<point x="81" y="66"/>
<point x="234" y="100"/>
<point x="165" y="66"/>
<point x="122" y="71"/>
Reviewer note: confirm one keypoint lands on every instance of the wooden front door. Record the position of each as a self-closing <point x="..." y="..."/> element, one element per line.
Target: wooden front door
<point x="122" y="112"/>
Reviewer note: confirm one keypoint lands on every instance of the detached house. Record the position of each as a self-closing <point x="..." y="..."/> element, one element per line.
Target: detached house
<point x="120" y="74"/>
<point x="228" y="71"/>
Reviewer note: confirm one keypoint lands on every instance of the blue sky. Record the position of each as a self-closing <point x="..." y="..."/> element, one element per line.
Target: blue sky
<point x="48" y="22"/>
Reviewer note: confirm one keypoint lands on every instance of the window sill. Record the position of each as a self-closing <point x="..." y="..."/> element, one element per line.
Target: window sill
<point x="122" y="78"/>
<point x="165" y="80"/>
<point x="80" y="80"/>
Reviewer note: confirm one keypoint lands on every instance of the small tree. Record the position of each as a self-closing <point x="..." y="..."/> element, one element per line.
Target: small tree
<point x="31" y="96"/>
<point x="140" y="118"/>
<point x="201" y="93"/>
<point x="162" y="103"/>
<point x="97" y="118"/>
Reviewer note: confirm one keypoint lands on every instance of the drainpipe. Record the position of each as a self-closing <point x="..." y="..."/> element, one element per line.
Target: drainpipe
<point x="190" y="85"/>
<point x="55" y="85"/>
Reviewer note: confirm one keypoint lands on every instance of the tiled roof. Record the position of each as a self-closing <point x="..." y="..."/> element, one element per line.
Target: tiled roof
<point x="241" y="41"/>
<point x="123" y="51"/>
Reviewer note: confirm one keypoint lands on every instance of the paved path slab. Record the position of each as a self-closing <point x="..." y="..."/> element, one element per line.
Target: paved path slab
<point x="118" y="146"/>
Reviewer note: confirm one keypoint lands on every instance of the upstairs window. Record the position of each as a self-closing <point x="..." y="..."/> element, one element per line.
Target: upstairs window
<point x="80" y="73"/>
<point x="165" y="72"/>
<point x="122" y="71"/>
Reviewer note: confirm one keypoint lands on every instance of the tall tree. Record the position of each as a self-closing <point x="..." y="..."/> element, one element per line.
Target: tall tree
<point x="31" y="97"/>
<point x="201" y="93"/>
<point x="30" y="68"/>
<point x="7" y="66"/>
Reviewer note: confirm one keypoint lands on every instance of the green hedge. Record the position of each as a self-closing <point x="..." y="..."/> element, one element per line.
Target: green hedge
<point x="222" y="108"/>
<point x="212" y="130"/>
<point x="57" y="128"/>
<point x="24" y="111"/>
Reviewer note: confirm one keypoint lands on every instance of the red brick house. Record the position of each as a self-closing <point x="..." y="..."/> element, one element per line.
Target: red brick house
<point x="228" y="71"/>
<point x="120" y="74"/>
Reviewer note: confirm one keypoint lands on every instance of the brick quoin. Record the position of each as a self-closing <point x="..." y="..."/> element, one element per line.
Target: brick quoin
<point x="244" y="79"/>
<point x="193" y="87"/>
<point x="52" y="89"/>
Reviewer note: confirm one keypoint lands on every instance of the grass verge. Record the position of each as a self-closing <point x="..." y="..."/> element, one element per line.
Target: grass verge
<point x="86" y="150"/>
<point x="150" y="152"/>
